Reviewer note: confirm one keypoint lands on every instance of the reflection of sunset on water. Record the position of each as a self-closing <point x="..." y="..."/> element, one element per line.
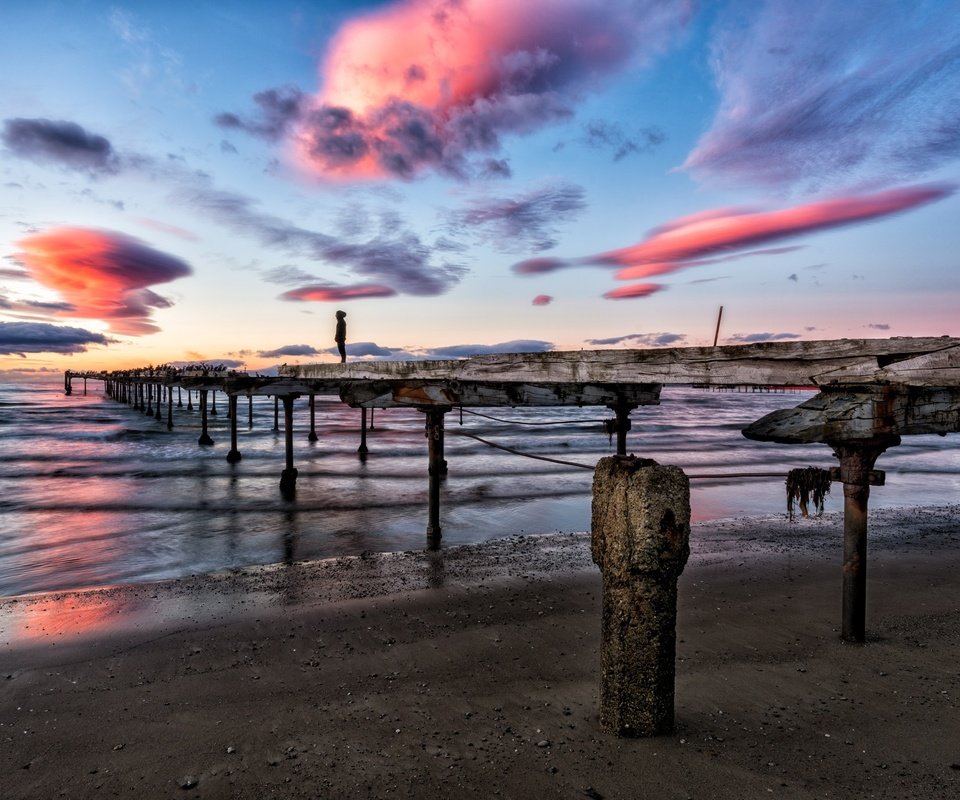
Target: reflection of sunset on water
<point x="35" y="619"/>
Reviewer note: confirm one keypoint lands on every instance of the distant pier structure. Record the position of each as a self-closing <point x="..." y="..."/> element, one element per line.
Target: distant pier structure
<point x="871" y="392"/>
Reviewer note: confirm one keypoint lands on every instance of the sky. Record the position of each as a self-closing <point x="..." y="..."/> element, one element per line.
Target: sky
<point x="210" y="182"/>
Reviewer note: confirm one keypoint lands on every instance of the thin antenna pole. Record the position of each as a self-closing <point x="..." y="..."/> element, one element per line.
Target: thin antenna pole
<point x="716" y="334"/>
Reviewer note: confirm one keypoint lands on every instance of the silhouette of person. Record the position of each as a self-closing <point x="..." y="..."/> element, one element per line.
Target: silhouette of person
<point x="341" y="336"/>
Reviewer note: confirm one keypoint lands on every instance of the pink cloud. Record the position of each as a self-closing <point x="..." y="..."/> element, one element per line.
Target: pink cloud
<point x="331" y="294"/>
<point x="101" y="275"/>
<point x="430" y="82"/>
<point x="542" y="300"/>
<point x="734" y="230"/>
<point x="724" y="234"/>
<point x="634" y="290"/>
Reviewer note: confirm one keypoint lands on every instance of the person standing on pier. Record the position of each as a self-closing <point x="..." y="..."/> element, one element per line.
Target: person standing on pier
<point x="341" y="336"/>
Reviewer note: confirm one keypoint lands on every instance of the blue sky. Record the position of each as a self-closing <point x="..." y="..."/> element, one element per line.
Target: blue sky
<point x="208" y="181"/>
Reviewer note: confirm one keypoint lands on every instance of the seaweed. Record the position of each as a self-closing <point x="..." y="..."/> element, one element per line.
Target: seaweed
<point x="805" y="483"/>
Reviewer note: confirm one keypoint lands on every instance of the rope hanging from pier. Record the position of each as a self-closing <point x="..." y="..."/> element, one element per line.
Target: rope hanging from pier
<point x="523" y="422"/>
<point x="695" y="476"/>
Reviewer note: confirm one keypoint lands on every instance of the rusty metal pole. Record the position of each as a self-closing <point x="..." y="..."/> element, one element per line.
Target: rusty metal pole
<point x="213" y="410"/>
<point x="159" y="415"/>
<point x="67" y="388"/>
<point x="84" y="384"/>
<point x="437" y="469"/>
<point x="148" y="390"/>
<point x="189" y="401"/>
<point x="250" y="411"/>
<point x="622" y="411"/>
<point x="204" y="436"/>
<point x="362" y="449"/>
<point x="288" y="478"/>
<point x="179" y="398"/>
<point x="276" y="413"/>
<point x="170" y="409"/>
<point x="234" y="455"/>
<point x="313" y="419"/>
<point x="856" y="461"/>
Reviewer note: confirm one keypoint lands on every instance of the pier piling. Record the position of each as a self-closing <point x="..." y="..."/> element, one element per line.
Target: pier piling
<point x="436" y="470"/>
<point x="640" y="541"/>
<point x="312" y="437"/>
<point x="856" y="462"/>
<point x="204" y="439"/>
<point x="362" y="449"/>
<point x="234" y="455"/>
<point x="288" y="478"/>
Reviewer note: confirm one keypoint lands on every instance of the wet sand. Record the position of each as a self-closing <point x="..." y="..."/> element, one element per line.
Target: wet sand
<point x="473" y="672"/>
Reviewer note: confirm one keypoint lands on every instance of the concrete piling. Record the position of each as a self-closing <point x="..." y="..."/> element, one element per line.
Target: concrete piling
<point x="640" y="541"/>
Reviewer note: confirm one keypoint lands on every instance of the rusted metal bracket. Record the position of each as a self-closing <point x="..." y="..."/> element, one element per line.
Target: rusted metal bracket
<point x="876" y="477"/>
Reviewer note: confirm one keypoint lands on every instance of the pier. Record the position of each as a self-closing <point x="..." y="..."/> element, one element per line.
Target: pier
<point x="870" y="393"/>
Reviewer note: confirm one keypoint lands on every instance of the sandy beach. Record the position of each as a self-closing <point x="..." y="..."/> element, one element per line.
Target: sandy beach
<point x="473" y="672"/>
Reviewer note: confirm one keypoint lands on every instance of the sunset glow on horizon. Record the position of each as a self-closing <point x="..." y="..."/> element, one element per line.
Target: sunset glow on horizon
<point x="213" y="186"/>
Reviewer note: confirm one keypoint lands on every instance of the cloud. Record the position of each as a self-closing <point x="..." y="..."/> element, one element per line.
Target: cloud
<point x="602" y="135"/>
<point x="277" y="110"/>
<point x="366" y="349"/>
<point x="436" y="84"/>
<point x="634" y="290"/>
<point x="164" y="227"/>
<point x="60" y="142"/>
<point x="719" y="235"/>
<point x="526" y="222"/>
<point x="645" y="339"/>
<point x="832" y="94"/>
<point x="20" y="338"/>
<point x="749" y="338"/>
<point x="395" y="256"/>
<point x="290" y="350"/>
<point x="878" y="326"/>
<point x="467" y="350"/>
<point x="398" y="263"/>
<point x="542" y="300"/>
<point x="325" y="293"/>
<point x="101" y="275"/>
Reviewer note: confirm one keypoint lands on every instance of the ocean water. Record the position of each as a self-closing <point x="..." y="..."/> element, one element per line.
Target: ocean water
<point x="93" y="493"/>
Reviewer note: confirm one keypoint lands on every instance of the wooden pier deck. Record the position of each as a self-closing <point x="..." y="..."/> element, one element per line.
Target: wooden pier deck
<point x="871" y="392"/>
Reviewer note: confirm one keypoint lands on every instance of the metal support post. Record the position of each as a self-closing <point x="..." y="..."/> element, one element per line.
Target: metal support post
<point x="234" y="455"/>
<point x="204" y="436"/>
<point x="313" y="420"/>
<point x="856" y="461"/>
<point x="288" y="478"/>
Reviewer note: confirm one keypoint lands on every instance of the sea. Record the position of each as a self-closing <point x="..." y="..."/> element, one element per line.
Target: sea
<point x="94" y="493"/>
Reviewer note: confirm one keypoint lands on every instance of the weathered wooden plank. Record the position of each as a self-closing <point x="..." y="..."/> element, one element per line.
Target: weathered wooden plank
<point x="936" y="368"/>
<point x="864" y="413"/>
<point x="406" y="393"/>
<point x="766" y="363"/>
